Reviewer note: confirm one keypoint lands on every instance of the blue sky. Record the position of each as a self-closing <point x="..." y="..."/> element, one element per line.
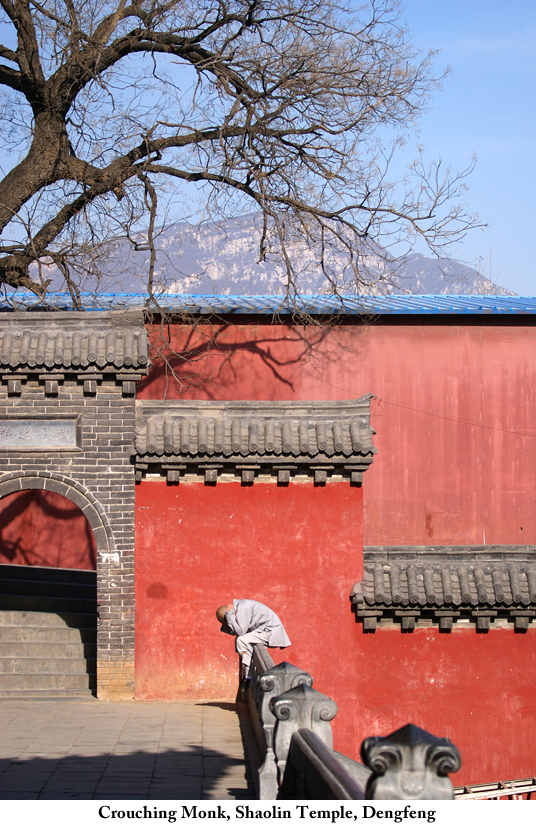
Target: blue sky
<point x="487" y="107"/>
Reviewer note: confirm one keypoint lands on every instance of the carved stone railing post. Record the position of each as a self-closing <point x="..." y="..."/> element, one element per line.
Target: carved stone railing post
<point x="410" y="764"/>
<point x="267" y="684"/>
<point x="301" y="707"/>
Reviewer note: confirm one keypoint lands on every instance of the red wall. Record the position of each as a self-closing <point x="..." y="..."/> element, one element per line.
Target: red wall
<point x="454" y="414"/>
<point x="477" y="689"/>
<point x="456" y="435"/>
<point x="294" y="548"/>
<point x="38" y="527"/>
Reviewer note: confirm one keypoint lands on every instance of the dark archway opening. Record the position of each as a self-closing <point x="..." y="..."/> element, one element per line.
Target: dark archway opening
<point x="48" y="597"/>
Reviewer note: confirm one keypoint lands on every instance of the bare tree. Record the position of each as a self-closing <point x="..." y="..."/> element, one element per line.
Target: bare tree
<point x="291" y="107"/>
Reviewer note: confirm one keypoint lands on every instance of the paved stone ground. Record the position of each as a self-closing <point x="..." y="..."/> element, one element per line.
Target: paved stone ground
<point x="71" y="749"/>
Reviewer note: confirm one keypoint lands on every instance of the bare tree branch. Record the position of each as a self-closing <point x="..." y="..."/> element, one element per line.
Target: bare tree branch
<point x="288" y="105"/>
<point x="8" y="54"/>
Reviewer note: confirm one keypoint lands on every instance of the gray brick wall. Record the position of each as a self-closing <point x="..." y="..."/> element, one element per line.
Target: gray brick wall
<point x="100" y="479"/>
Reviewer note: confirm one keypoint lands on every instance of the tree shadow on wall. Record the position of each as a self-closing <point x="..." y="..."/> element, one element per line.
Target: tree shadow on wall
<point x="31" y="525"/>
<point x="194" y="773"/>
<point x="204" y="356"/>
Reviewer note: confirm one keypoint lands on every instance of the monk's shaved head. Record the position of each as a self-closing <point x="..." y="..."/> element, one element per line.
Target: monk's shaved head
<point x="220" y="613"/>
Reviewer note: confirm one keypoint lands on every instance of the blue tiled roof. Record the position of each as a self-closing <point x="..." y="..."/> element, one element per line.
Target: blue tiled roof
<point x="310" y="304"/>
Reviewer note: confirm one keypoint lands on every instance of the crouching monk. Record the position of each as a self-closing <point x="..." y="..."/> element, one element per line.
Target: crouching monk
<point x="253" y="623"/>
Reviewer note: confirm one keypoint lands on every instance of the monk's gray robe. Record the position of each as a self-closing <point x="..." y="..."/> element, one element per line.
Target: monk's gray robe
<point x="249" y="615"/>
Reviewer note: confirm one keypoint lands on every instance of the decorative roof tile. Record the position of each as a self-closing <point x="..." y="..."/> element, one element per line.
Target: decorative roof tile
<point x="447" y="585"/>
<point x="41" y="342"/>
<point x="464" y="580"/>
<point x="315" y="434"/>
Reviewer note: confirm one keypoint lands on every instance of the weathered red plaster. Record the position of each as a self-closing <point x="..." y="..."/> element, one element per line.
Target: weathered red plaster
<point x="475" y="688"/>
<point x="456" y="430"/>
<point x="456" y="434"/>
<point x="294" y="548"/>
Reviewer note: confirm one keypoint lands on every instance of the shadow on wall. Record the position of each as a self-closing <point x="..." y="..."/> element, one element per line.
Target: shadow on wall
<point x="209" y="360"/>
<point x="42" y="528"/>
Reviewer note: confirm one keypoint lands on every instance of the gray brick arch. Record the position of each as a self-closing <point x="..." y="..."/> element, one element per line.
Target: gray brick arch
<point x="82" y="369"/>
<point x="115" y="581"/>
<point x="71" y="489"/>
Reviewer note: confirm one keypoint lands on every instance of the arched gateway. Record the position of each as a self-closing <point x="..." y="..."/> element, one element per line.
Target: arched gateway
<point x="74" y="491"/>
<point x="67" y="418"/>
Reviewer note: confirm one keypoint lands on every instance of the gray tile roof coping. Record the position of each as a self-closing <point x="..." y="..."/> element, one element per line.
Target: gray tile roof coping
<point x="75" y="342"/>
<point x="465" y="579"/>
<point x="266" y="432"/>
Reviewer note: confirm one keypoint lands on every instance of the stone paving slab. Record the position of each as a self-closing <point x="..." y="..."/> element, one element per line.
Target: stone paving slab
<point x="86" y="749"/>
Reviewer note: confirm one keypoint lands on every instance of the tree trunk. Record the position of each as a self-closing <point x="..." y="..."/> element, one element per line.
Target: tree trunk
<point x="44" y="164"/>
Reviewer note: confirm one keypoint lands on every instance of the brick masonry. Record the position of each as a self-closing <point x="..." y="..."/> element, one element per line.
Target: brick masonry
<point x="97" y="475"/>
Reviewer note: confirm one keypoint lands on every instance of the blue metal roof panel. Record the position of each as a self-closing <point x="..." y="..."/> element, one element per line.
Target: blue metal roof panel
<point x="310" y="304"/>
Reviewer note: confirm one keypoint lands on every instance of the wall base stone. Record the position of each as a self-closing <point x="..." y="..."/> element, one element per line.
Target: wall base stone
<point x="115" y="681"/>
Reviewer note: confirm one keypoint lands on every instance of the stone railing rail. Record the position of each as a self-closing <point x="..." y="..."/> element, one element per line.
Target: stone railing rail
<point x="292" y="723"/>
<point x="314" y="771"/>
<point x="269" y="681"/>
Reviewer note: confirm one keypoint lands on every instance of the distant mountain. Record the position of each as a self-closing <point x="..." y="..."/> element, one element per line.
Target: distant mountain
<point x="223" y="258"/>
<point x="444" y="276"/>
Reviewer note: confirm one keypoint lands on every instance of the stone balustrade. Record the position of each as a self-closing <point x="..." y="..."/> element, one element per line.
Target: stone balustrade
<point x="268" y="682"/>
<point x="292" y="722"/>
